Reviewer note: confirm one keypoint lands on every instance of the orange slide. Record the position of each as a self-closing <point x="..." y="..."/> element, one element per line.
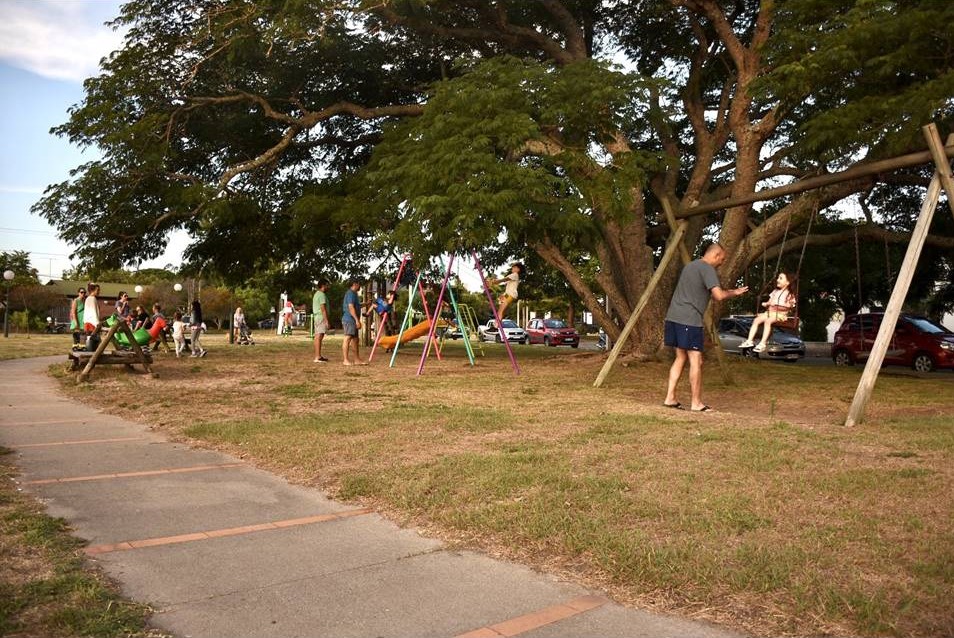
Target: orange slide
<point x="416" y="331"/>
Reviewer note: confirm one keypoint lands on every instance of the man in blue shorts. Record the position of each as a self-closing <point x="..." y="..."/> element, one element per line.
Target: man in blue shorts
<point x="697" y="283"/>
<point x="351" y="323"/>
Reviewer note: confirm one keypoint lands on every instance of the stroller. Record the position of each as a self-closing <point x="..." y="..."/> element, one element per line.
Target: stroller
<point x="245" y="336"/>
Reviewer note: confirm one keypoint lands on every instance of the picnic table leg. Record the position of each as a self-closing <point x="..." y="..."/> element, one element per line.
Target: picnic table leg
<point x="124" y="327"/>
<point x="84" y="375"/>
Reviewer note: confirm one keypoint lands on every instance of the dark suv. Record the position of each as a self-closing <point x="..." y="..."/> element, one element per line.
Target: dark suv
<point x="917" y="342"/>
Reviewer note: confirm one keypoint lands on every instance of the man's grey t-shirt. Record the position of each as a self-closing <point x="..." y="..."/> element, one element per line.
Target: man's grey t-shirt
<point x="692" y="294"/>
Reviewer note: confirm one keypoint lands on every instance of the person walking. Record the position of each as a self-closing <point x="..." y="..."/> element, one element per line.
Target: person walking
<point x="319" y="310"/>
<point x="698" y="283"/>
<point x="77" y="307"/>
<point x="197" y="328"/>
<point x="178" y="333"/>
<point x="238" y="323"/>
<point x="91" y="317"/>
<point x="351" y="323"/>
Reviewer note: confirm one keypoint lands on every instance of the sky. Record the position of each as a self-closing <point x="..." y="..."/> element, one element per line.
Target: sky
<point x="47" y="49"/>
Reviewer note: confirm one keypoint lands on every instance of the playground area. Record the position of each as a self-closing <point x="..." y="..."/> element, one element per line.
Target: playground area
<point x="767" y="515"/>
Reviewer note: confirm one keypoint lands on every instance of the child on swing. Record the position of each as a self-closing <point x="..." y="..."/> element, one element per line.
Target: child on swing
<point x="780" y="302"/>
<point x="510" y="290"/>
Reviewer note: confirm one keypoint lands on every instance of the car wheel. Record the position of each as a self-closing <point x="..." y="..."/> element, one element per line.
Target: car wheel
<point x="575" y="345"/>
<point x="923" y="362"/>
<point x="498" y="339"/>
<point x="842" y="358"/>
<point x="546" y="341"/>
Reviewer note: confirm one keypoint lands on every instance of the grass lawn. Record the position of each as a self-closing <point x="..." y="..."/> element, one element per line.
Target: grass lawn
<point x="20" y="346"/>
<point x="767" y="515"/>
<point x="45" y="588"/>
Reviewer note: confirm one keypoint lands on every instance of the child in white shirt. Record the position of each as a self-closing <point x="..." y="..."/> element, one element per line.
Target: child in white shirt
<point x="178" y="334"/>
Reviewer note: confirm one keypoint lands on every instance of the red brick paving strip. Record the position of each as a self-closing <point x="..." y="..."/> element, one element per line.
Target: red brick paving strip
<point x="537" y="619"/>
<point x="99" y="477"/>
<point x="92" y="550"/>
<point x="79" y="442"/>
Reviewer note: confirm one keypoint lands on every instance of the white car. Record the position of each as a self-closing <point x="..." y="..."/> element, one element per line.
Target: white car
<point x="489" y="332"/>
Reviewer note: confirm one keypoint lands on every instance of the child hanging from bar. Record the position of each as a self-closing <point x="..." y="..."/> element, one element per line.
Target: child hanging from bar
<point x="511" y="281"/>
<point x="780" y="302"/>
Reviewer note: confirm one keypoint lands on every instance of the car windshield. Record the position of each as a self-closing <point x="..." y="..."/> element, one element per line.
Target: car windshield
<point x="507" y="323"/>
<point x="926" y="325"/>
<point x="554" y="323"/>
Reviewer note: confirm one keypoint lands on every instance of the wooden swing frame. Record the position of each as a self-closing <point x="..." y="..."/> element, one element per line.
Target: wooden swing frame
<point x="938" y="152"/>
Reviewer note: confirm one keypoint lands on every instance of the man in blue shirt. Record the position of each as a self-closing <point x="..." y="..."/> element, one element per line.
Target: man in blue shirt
<point x="697" y="283"/>
<point x="351" y="323"/>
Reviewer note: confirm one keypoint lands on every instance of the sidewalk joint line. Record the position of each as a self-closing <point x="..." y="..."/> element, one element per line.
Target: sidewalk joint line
<point x="54" y="422"/>
<point x="94" y="550"/>
<point x="99" y="477"/>
<point x="536" y="619"/>
<point x="78" y="442"/>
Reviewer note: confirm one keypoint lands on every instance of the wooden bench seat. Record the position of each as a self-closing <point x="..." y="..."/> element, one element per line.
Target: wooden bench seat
<point x="79" y="358"/>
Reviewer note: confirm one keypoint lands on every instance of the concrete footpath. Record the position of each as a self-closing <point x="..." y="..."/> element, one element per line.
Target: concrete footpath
<point x="219" y="548"/>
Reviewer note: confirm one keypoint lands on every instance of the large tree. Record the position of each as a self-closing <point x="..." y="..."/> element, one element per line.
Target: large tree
<point x="307" y="133"/>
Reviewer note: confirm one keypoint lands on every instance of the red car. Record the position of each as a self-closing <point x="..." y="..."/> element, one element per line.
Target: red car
<point x="552" y="332"/>
<point x="917" y="342"/>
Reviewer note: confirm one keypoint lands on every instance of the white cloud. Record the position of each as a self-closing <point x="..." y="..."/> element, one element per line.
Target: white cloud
<point x="58" y="39"/>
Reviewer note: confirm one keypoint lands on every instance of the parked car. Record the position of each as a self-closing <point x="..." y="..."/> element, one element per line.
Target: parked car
<point x="453" y="332"/>
<point x="781" y="343"/>
<point x="267" y="324"/>
<point x="917" y="342"/>
<point x="489" y="332"/>
<point x="552" y="332"/>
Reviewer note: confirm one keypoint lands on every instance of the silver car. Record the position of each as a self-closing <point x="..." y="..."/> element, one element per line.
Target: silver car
<point x="781" y="344"/>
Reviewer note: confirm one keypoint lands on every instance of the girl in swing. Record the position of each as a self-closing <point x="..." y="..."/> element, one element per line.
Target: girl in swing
<point x="510" y="290"/>
<point x="780" y="302"/>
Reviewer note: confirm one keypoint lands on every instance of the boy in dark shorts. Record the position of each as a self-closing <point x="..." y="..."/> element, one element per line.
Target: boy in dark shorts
<point x="351" y="323"/>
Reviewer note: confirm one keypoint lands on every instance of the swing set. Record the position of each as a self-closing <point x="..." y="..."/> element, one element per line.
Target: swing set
<point x="937" y="152"/>
<point x="464" y="317"/>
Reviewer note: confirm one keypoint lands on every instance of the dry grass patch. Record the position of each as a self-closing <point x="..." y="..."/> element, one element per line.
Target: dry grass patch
<point x="767" y="516"/>
<point x="21" y="346"/>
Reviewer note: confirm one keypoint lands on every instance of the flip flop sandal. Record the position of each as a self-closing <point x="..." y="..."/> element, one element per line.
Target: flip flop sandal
<point x="704" y="408"/>
<point x="674" y="406"/>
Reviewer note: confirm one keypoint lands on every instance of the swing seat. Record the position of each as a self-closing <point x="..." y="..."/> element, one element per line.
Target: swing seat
<point x="791" y="324"/>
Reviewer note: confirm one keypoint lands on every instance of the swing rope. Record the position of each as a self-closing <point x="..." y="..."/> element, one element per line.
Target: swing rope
<point x="801" y="258"/>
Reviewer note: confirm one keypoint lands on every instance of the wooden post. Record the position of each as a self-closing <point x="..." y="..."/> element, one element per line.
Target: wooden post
<point x="895" y="303"/>
<point x="675" y="241"/>
<point x="99" y="351"/>
<point x="124" y="328"/>
<point x="940" y="160"/>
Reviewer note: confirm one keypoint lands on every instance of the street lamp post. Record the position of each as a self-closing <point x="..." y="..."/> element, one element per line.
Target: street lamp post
<point x="8" y="276"/>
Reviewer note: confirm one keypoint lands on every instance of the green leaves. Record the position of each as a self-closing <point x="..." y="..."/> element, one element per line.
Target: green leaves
<point x="508" y="150"/>
<point x="867" y="73"/>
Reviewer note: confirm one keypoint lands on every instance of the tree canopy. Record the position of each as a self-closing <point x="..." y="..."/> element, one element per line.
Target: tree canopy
<point x="311" y="134"/>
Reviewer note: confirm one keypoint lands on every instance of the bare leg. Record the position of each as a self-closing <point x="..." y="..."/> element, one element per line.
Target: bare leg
<point x="318" y="339"/>
<point x="755" y="326"/>
<point x="767" y="330"/>
<point x="345" y="348"/>
<point x="503" y="305"/>
<point x="675" y="371"/>
<point x="695" y="379"/>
